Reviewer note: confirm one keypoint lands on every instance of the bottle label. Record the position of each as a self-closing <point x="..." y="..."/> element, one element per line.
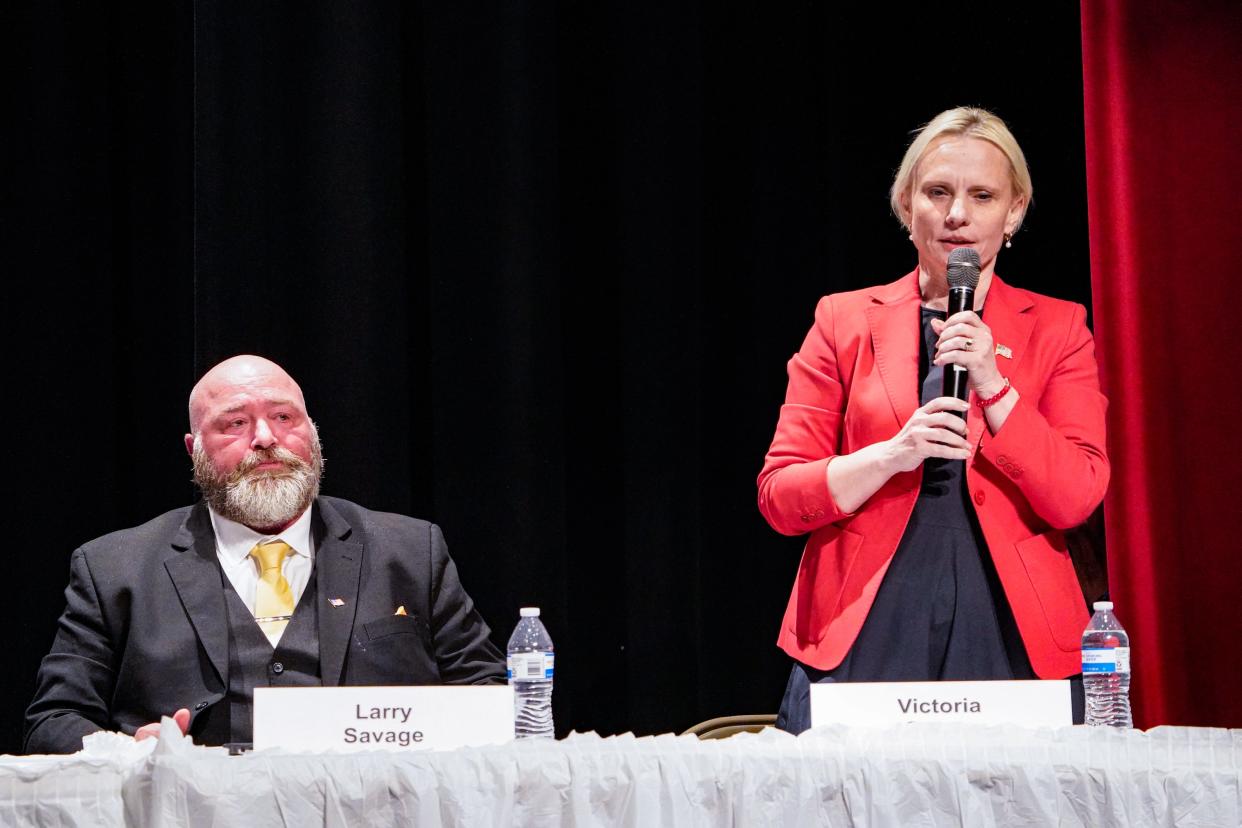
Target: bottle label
<point x="1123" y="660"/>
<point x="1106" y="660"/>
<point x="530" y="666"/>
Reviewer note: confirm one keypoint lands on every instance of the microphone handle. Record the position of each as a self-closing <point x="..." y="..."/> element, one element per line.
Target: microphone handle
<point x="955" y="384"/>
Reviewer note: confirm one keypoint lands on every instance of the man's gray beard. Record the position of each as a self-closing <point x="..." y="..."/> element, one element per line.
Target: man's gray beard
<point x="261" y="499"/>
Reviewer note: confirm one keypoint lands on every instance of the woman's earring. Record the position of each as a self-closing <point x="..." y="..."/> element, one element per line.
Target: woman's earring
<point x="910" y="236"/>
<point x="1008" y="243"/>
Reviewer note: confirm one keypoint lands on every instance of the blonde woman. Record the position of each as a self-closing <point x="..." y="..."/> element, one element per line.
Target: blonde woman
<point x="936" y="546"/>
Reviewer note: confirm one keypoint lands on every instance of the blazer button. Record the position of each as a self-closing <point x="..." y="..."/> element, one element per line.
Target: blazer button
<point x="200" y="706"/>
<point x="806" y="518"/>
<point x="1002" y="461"/>
<point x="819" y="513"/>
<point x="277" y="667"/>
<point x="979" y="498"/>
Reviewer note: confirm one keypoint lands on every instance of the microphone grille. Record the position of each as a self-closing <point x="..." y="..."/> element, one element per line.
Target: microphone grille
<point x="963" y="268"/>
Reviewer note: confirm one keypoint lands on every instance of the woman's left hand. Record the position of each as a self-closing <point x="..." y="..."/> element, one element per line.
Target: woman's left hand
<point x="966" y="341"/>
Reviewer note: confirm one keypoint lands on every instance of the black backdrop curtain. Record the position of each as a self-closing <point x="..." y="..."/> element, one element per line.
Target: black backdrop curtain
<point x="538" y="268"/>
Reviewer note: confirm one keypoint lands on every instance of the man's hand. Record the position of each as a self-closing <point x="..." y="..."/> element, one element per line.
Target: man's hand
<point x="181" y="717"/>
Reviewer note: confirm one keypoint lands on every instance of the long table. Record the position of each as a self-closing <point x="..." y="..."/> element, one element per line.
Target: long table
<point x="916" y="774"/>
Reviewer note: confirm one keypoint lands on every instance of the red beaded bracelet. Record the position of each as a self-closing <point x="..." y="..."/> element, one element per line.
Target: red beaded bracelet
<point x="997" y="397"/>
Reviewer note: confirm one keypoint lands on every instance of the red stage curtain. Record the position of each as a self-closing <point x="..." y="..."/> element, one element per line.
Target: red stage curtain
<point x="1163" y="97"/>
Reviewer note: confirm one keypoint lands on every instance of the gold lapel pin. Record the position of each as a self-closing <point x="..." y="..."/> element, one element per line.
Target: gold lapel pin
<point x="400" y="610"/>
<point x="1003" y="350"/>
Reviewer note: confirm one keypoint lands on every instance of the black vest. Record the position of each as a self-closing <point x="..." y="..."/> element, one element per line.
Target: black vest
<point x="253" y="662"/>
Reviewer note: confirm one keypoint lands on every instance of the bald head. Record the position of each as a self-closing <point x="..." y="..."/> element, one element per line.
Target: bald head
<point x="256" y="453"/>
<point x="237" y="376"/>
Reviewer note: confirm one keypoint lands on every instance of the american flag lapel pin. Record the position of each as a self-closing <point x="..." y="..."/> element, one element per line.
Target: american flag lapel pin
<point x="336" y="602"/>
<point x="1003" y="350"/>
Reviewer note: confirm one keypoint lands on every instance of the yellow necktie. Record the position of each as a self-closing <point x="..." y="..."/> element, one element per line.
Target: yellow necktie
<point x="273" y="599"/>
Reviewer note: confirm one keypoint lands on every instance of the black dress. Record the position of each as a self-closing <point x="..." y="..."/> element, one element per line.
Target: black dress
<point x="940" y="612"/>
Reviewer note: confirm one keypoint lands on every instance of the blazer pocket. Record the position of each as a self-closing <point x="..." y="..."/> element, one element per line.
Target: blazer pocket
<point x="392" y="650"/>
<point x="1051" y="571"/>
<point x="394" y="625"/>
<point x="827" y="565"/>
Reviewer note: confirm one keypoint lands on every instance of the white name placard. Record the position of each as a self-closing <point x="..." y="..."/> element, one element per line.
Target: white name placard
<point x="1030" y="703"/>
<point x="311" y="719"/>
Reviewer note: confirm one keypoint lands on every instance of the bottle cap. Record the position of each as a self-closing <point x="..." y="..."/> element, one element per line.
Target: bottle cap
<point x="1099" y="605"/>
<point x="533" y="612"/>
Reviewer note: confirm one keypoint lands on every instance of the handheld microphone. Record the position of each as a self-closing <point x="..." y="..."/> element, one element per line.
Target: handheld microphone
<point x="963" y="278"/>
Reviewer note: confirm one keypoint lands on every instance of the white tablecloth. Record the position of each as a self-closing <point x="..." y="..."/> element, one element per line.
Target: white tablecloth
<point x="917" y="774"/>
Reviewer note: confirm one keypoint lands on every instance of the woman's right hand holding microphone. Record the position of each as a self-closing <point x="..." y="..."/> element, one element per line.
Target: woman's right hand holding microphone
<point x="932" y="431"/>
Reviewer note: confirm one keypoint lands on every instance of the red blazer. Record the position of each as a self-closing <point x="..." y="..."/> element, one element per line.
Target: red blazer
<point x="854" y="382"/>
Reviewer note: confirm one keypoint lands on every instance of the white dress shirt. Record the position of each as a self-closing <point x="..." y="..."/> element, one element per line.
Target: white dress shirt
<point x="234" y="542"/>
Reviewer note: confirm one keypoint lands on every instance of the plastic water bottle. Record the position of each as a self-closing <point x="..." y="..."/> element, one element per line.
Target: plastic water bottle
<point x="1106" y="669"/>
<point x="530" y="672"/>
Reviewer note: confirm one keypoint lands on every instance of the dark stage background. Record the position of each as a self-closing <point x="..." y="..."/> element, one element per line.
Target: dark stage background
<point x="537" y="266"/>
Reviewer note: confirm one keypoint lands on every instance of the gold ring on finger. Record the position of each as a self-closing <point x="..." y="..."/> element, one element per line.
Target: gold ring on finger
<point x="970" y="344"/>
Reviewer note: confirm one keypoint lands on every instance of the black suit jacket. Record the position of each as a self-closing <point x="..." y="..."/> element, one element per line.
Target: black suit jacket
<point x="144" y="631"/>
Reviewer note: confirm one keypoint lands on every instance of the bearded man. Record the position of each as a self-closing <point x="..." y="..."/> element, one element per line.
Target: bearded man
<point x="263" y="583"/>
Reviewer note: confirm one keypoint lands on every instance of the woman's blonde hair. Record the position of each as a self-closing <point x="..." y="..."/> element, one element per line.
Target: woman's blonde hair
<point x="974" y="123"/>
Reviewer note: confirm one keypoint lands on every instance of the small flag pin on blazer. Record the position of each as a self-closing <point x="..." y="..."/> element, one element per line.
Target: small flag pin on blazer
<point x="336" y="602"/>
<point x="1003" y="350"/>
